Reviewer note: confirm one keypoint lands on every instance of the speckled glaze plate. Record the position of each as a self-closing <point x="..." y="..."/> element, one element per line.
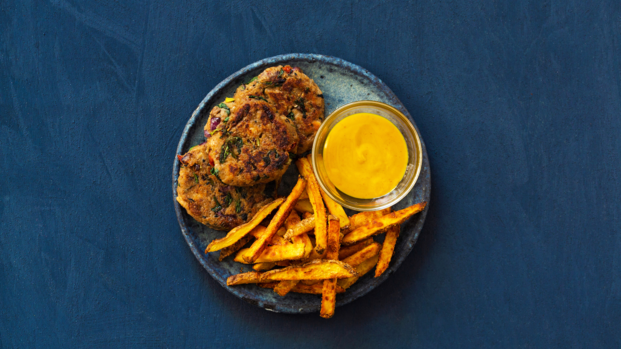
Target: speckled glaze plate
<point x="341" y="82"/>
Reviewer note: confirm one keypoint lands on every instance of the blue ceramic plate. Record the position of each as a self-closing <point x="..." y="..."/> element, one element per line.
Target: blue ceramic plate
<point x="341" y="82"/>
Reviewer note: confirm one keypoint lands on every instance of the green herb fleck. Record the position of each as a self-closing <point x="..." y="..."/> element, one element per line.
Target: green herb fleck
<point x="228" y="199"/>
<point x="195" y="178"/>
<point x="226" y="119"/>
<point x="257" y="97"/>
<point x="238" y="207"/>
<point x="291" y="116"/>
<point x="225" y="107"/>
<point x="218" y="207"/>
<point x="281" y="72"/>
<point x="253" y="79"/>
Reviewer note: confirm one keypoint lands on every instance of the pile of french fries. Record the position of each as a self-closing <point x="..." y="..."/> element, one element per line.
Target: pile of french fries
<point x="322" y="252"/>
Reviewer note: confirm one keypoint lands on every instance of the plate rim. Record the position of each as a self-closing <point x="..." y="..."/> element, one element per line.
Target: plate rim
<point x="310" y="57"/>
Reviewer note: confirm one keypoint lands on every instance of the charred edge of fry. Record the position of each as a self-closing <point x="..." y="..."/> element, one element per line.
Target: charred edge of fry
<point x="244" y="278"/>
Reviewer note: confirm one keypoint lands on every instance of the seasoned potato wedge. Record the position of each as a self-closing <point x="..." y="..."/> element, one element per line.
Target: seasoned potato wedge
<point x="314" y="195"/>
<point x="336" y="210"/>
<point x="363" y="254"/>
<point x="274" y="253"/>
<point x="303" y="226"/>
<point x="388" y="247"/>
<point x="328" y="295"/>
<point x="361" y="269"/>
<point x="377" y="225"/>
<point x="251" y="277"/>
<point x="347" y="251"/>
<point x="314" y="270"/>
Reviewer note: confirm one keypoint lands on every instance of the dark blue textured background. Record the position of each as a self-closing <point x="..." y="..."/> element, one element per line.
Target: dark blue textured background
<point x="519" y="103"/>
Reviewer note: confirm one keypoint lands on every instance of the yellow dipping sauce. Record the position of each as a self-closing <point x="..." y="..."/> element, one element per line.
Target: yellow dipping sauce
<point x="365" y="156"/>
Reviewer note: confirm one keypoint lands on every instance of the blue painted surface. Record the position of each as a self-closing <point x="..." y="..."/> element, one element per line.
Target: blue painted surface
<point x="518" y="102"/>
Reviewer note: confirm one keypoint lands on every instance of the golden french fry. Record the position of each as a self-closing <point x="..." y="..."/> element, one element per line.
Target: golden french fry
<point x="328" y="295"/>
<point x="347" y="251"/>
<point x="264" y="266"/>
<point x="361" y="269"/>
<point x="316" y="288"/>
<point x="307" y="215"/>
<point x="292" y="220"/>
<point x="277" y="240"/>
<point x="336" y="210"/>
<point x="283" y="287"/>
<point x="279" y="218"/>
<point x="227" y="251"/>
<point x="303" y="226"/>
<point x="308" y="245"/>
<point x="304" y="206"/>
<point x="314" y="195"/>
<point x="274" y="253"/>
<point x="379" y="224"/>
<point x="314" y="270"/>
<point x="388" y="247"/>
<point x="239" y="232"/>
<point x="258" y="231"/>
<point x="362" y="218"/>
<point x="363" y="254"/>
<point x="251" y="277"/>
<point x="333" y="242"/>
<point x="304" y="195"/>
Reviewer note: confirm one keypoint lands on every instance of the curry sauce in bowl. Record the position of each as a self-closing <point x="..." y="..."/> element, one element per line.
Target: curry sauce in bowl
<point x="367" y="155"/>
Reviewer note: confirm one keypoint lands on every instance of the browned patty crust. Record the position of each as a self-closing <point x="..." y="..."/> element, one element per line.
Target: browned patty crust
<point x="251" y="143"/>
<point x="291" y="93"/>
<point x="210" y="201"/>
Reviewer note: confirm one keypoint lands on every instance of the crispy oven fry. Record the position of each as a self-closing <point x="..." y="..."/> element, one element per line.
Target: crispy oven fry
<point x="264" y="266"/>
<point x="362" y="218"/>
<point x="304" y="206"/>
<point x="345" y="252"/>
<point x="251" y="277"/>
<point x="328" y="296"/>
<point x="361" y="269"/>
<point x="239" y="232"/>
<point x="303" y="226"/>
<point x="274" y="253"/>
<point x="314" y="270"/>
<point x="336" y="210"/>
<point x="388" y="247"/>
<point x="279" y="218"/>
<point x="314" y="194"/>
<point x="377" y="225"/>
<point x="363" y="254"/>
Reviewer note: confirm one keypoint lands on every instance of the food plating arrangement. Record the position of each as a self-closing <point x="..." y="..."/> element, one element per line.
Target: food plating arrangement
<point x="303" y="242"/>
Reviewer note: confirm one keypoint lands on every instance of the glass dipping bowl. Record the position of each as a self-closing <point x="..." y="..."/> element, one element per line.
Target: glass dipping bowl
<point x="415" y="156"/>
